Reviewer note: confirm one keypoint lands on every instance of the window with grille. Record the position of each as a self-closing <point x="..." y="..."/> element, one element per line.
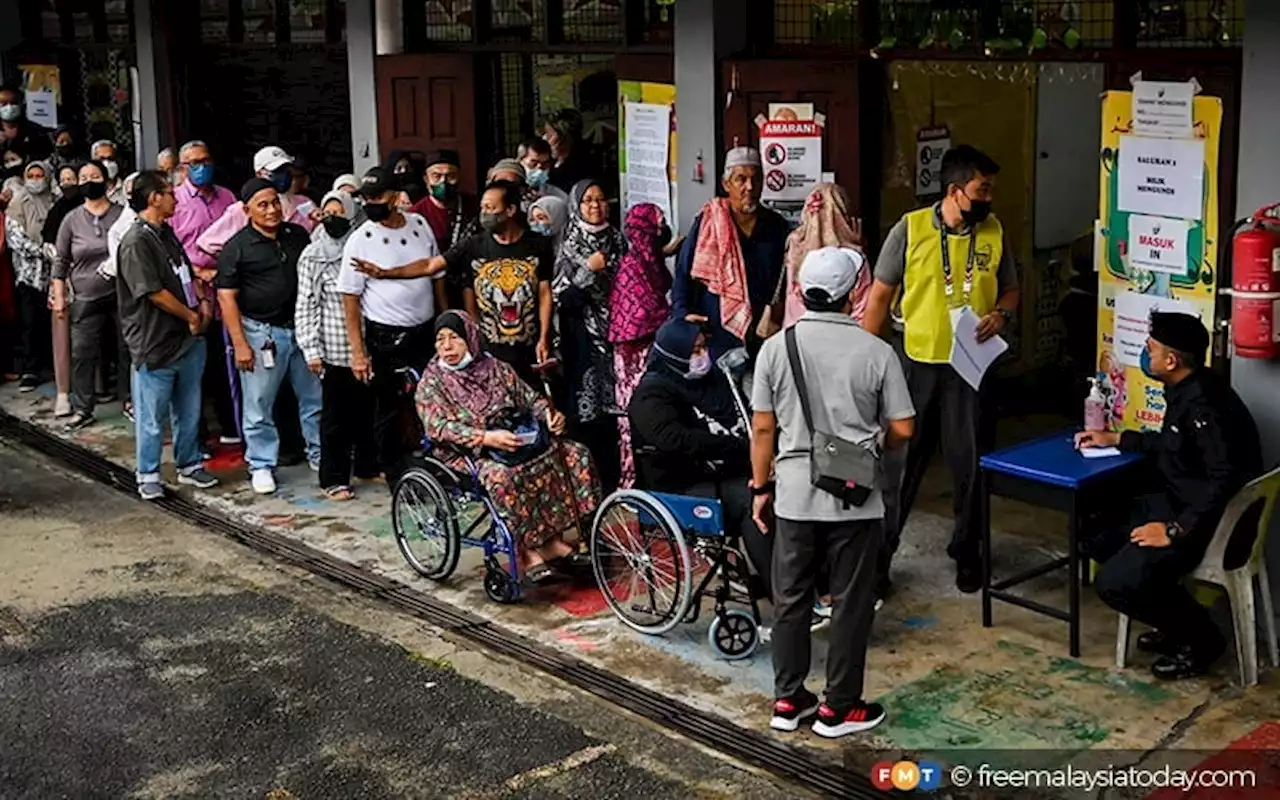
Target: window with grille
<point x="1190" y="23"/>
<point x="259" y="21"/>
<point x="449" y="20"/>
<point x="830" y="22"/>
<point x="593" y="21"/>
<point x="518" y="20"/>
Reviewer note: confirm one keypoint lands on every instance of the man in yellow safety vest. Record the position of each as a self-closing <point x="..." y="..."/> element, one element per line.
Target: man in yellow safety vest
<point x="936" y="261"/>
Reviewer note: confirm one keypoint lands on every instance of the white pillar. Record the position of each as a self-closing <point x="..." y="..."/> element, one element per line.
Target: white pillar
<point x="145" y="95"/>
<point x="363" y="82"/>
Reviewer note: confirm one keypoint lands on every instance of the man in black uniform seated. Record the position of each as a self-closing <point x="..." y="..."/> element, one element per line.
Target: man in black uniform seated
<point x="1206" y="451"/>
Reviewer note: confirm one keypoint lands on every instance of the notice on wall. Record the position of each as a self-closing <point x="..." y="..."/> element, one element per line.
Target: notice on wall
<point x="1158" y="244"/>
<point x="1133" y="322"/>
<point x="1163" y="109"/>
<point x="931" y="145"/>
<point x="42" y="108"/>
<point x="1161" y="177"/>
<point x="648" y="138"/>
<point x="792" y="155"/>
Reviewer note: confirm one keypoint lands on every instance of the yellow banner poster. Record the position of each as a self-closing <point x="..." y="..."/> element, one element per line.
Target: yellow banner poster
<point x="1155" y="249"/>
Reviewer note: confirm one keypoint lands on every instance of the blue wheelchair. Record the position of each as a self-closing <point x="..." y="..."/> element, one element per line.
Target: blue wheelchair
<point x="437" y="510"/>
<point x="657" y="555"/>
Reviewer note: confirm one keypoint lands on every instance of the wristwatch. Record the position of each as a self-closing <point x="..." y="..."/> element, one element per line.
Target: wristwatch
<point x="1006" y="313"/>
<point x="767" y="488"/>
<point x="1175" y="531"/>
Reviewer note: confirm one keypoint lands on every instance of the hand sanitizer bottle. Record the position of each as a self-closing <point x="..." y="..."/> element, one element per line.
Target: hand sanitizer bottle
<point x="1095" y="408"/>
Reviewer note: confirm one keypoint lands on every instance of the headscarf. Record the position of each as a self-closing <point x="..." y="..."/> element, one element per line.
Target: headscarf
<point x="824" y="223"/>
<point x="30" y="210"/>
<point x="329" y="247"/>
<point x="638" y="301"/>
<point x="558" y="210"/>
<point x="669" y="363"/>
<point x="477" y="387"/>
<point x="346" y="179"/>
<point x="582" y="240"/>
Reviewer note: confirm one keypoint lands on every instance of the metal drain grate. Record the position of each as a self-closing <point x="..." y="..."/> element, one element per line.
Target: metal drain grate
<point x="745" y="745"/>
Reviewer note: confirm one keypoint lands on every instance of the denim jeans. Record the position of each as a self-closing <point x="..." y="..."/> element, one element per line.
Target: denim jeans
<point x="172" y="392"/>
<point x="260" y="385"/>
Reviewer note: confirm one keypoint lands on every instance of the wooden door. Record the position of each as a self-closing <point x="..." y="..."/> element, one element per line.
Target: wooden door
<point x="428" y="102"/>
<point x="832" y="87"/>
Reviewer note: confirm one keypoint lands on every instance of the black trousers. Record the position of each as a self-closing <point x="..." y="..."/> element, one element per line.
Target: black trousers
<point x="346" y="429"/>
<point x="735" y="499"/>
<point x="601" y="438"/>
<point x="95" y="332"/>
<point x="396" y="430"/>
<point x="848" y="552"/>
<point x="35" y="340"/>
<point x="946" y="412"/>
<point x="217" y="384"/>
<point x="1146" y="582"/>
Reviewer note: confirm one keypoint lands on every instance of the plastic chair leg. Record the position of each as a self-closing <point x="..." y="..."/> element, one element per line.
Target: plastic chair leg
<point x="1244" y="618"/>
<point x="1268" y="608"/>
<point x="1122" y="641"/>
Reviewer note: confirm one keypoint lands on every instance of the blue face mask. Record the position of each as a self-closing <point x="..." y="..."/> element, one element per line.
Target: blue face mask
<point x="282" y="178"/>
<point x="541" y="228"/>
<point x="200" y="174"/>
<point x="537" y="178"/>
<point x="1144" y="361"/>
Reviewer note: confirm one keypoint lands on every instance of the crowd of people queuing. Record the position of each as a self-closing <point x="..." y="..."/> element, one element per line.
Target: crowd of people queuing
<point x="291" y="325"/>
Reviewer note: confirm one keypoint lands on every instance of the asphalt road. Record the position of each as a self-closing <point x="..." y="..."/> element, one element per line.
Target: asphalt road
<point x="142" y="657"/>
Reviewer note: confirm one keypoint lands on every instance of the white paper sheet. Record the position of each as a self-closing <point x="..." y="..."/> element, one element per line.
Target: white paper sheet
<point x="1162" y="177"/>
<point x="1100" y="452"/>
<point x="648" y="140"/>
<point x="1132" y="322"/>
<point x="970" y="358"/>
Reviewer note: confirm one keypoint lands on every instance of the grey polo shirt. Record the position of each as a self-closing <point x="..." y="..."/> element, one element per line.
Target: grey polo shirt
<point x="855" y="383"/>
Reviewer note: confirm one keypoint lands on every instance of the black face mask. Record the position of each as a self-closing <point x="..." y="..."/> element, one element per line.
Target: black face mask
<point x="336" y="227"/>
<point x="71" y="191"/>
<point x="377" y="212"/>
<point x="66" y="150"/>
<point x="978" y="211"/>
<point x="94" y="190"/>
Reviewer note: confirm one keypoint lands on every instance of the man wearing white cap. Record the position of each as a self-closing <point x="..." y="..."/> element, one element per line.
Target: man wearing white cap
<point x="730" y="264"/>
<point x="850" y="387"/>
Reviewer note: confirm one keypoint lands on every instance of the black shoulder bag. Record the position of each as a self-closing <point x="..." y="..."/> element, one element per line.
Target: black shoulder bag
<point x="838" y="467"/>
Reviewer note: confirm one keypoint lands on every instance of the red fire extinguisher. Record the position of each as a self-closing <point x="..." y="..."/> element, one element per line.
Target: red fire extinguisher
<point x="1255" y="285"/>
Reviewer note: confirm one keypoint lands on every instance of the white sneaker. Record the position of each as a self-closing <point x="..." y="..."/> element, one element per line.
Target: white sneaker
<point x="264" y="481"/>
<point x="230" y="440"/>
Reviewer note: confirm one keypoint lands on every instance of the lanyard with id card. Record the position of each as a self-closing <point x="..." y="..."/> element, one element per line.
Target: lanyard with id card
<point x="949" y="278"/>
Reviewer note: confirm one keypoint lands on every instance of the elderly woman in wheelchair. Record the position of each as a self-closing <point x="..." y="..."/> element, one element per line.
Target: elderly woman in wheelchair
<point x="689" y="431"/>
<point x="492" y="444"/>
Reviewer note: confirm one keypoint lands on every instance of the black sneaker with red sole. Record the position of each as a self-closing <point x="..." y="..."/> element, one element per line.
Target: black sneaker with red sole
<point x="788" y="711"/>
<point x="832" y="723"/>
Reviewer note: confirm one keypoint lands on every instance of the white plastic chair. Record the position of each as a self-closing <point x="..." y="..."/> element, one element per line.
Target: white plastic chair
<point x="1238" y="582"/>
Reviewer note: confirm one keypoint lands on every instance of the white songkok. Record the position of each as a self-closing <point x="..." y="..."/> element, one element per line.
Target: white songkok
<point x="741" y="157"/>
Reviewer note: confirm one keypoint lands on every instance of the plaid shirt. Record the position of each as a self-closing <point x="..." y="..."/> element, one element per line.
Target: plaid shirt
<point x="319" y="320"/>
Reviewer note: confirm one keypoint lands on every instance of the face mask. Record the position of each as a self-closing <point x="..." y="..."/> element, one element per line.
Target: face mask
<point x="537" y="178"/>
<point x="282" y="178"/>
<point x="541" y="228"/>
<point x="113" y="169"/>
<point x="94" y="190"/>
<point x="492" y="222"/>
<point x="699" y="366"/>
<point x="978" y="211"/>
<point x="443" y="191"/>
<point x="461" y="365"/>
<point x="377" y="212"/>
<point x="71" y="190"/>
<point x="39" y="186"/>
<point x="66" y="150"/>
<point x="336" y="227"/>
<point x="1144" y="361"/>
<point x="10" y="112"/>
<point x="13" y="164"/>
<point x="200" y="174"/>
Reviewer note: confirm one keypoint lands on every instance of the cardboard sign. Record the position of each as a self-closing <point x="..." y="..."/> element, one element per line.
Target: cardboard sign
<point x="1162" y="177"/>
<point x="1158" y="244"/>
<point x="931" y="145"/>
<point x="792" y="156"/>
<point x="1163" y="109"/>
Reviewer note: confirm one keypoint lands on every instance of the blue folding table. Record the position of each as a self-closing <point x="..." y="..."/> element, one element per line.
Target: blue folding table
<point x="1051" y="473"/>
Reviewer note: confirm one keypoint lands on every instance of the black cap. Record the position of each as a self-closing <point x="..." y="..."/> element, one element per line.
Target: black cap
<point x="377" y="182"/>
<point x="253" y="186"/>
<point x="1180" y="332"/>
<point x="449" y="157"/>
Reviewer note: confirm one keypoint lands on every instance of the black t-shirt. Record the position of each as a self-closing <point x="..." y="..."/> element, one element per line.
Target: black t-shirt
<point x="265" y="271"/>
<point x="151" y="259"/>
<point x="505" y="278"/>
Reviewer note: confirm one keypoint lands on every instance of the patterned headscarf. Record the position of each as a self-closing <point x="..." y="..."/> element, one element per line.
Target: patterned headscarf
<point x="825" y="222"/>
<point x="476" y="387"/>
<point x="638" y="303"/>
<point x="583" y="240"/>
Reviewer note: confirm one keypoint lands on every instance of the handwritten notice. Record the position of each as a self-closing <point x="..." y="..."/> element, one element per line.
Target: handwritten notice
<point x="1162" y="177"/>
<point x="1133" y="322"/>
<point x="1158" y="244"/>
<point x="648" y="150"/>
<point x="1163" y="109"/>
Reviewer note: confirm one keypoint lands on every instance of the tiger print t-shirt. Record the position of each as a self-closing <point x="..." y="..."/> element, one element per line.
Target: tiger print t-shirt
<point x="505" y="278"/>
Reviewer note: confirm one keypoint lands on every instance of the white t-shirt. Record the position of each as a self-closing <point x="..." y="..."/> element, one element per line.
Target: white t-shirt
<point x="402" y="303"/>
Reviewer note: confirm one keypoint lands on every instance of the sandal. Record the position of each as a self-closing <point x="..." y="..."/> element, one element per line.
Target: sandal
<point x="339" y="494"/>
<point x="539" y="574"/>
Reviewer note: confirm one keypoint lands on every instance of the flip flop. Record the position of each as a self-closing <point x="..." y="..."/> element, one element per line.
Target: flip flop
<point x="539" y="574"/>
<point x="339" y="494"/>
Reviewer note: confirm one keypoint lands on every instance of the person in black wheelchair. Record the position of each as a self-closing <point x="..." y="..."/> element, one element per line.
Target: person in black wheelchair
<point x="474" y="406"/>
<point x="690" y="437"/>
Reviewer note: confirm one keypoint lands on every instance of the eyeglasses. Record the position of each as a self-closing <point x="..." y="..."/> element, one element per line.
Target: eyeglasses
<point x="594" y="201"/>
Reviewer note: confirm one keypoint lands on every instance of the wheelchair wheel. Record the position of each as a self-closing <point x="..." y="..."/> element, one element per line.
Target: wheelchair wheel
<point x="500" y="588"/>
<point x="734" y="634"/>
<point x="423" y="517"/>
<point x="642" y="562"/>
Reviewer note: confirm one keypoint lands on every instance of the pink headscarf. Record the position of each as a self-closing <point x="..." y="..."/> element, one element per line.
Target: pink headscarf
<point x="638" y="301"/>
<point x="824" y="223"/>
